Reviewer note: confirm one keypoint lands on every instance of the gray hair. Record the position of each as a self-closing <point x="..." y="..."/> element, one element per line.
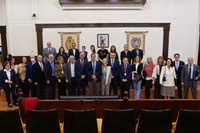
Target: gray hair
<point x="191" y="58"/>
<point x="71" y="56"/>
<point x="51" y="55"/>
<point x="151" y="60"/>
<point x="105" y="60"/>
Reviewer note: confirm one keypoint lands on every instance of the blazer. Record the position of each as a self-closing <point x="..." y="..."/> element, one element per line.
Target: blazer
<point x="128" y="72"/>
<point x="115" y="68"/>
<point x="98" y="71"/>
<point x="38" y="74"/>
<point x="122" y="55"/>
<point x="68" y="72"/>
<point x="169" y="74"/>
<point x="4" y="77"/>
<point x="46" y="53"/>
<point x="64" y="55"/>
<point x="76" y="54"/>
<point x="29" y="70"/>
<point x="48" y="71"/>
<point x="184" y="74"/>
<point x="134" y="53"/>
<point x="139" y="69"/>
<point x="180" y="66"/>
<point x="58" y="70"/>
<point x="79" y="71"/>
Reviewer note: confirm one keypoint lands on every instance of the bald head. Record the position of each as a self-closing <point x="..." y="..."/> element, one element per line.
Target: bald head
<point x="51" y="57"/>
<point x="82" y="55"/>
<point x="39" y="58"/>
<point x="49" y="44"/>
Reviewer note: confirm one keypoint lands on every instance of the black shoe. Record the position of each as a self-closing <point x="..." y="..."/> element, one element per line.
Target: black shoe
<point x="10" y="106"/>
<point x="16" y="104"/>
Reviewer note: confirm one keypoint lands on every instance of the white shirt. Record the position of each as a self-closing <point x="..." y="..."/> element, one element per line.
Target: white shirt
<point x="176" y="64"/>
<point x="136" y="65"/>
<point x="49" y="48"/>
<point x="72" y="70"/>
<point x="74" y="51"/>
<point x="8" y="75"/>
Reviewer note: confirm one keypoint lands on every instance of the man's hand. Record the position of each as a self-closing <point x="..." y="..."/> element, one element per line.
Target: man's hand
<point x="66" y="81"/>
<point x="48" y="82"/>
<point x="161" y="84"/>
<point x="30" y="81"/>
<point x="59" y="80"/>
<point x="94" y="77"/>
<point x="16" y="85"/>
<point x="36" y="83"/>
<point x="108" y="83"/>
<point x="182" y="83"/>
<point x="83" y="76"/>
<point x="153" y="82"/>
<point x="196" y="78"/>
<point x="112" y="77"/>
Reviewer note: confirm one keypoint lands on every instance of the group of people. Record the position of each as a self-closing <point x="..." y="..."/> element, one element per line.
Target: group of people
<point x="100" y="71"/>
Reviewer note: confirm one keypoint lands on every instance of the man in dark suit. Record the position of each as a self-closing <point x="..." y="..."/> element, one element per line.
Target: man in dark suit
<point x="125" y="77"/>
<point x="126" y="53"/>
<point x="29" y="75"/>
<point x="85" y="52"/>
<point x="38" y="77"/>
<point x="137" y="51"/>
<point x="50" y="77"/>
<point x="115" y="72"/>
<point x="70" y="76"/>
<point x="189" y="78"/>
<point x="80" y="72"/>
<point x="94" y="71"/>
<point x="178" y="64"/>
<point x="74" y="51"/>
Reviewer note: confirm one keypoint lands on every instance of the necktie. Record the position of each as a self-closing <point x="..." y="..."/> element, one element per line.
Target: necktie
<point x="41" y="67"/>
<point x="81" y="63"/>
<point x="112" y="63"/>
<point x="93" y="68"/>
<point x="125" y="53"/>
<point x="190" y="72"/>
<point x="49" y="51"/>
<point x="176" y="66"/>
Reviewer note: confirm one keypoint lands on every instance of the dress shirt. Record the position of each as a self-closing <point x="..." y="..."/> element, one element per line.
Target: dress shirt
<point x="41" y="65"/>
<point x="72" y="70"/>
<point x="192" y="66"/>
<point x="52" y="67"/>
<point x="112" y="62"/>
<point x="94" y="67"/>
<point x="137" y="52"/>
<point x="176" y="64"/>
<point x="74" y="51"/>
<point x="8" y="75"/>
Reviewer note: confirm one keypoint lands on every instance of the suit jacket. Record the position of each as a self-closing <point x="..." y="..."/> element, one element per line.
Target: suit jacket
<point x="76" y="54"/>
<point x="4" y="77"/>
<point x="79" y="71"/>
<point x="46" y="53"/>
<point x="64" y="55"/>
<point x="48" y="71"/>
<point x="98" y="71"/>
<point x="124" y="55"/>
<point x="68" y="72"/>
<point x="29" y="70"/>
<point x="139" y="69"/>
<point x="128" y="72"/>
<point x="38" y="74"/>
<point x="180" y="66"/>
<point x="185" y="73"/>
<point x="115" y="68"/>
<point x="134" y="53"/>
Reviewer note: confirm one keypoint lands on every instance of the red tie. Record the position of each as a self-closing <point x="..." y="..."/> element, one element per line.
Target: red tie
<point x="82" y="64"/>
<point x="126" y="53"/>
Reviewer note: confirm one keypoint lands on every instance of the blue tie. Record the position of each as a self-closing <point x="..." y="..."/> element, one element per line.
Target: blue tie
<point x="112" y="63"/>
<point x="190" y="72"/>
<point x="93" y="68"/>
<point x="52" y="67"/>
<point x="49" y="51"/>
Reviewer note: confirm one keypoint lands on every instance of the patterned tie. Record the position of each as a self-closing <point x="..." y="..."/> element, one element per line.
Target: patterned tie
<point x="93" y="68"/>
<point x="42" y="67"/>
<point x="126" y="53"/>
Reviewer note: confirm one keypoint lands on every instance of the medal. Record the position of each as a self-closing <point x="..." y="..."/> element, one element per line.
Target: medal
<point x="62" y="72"/>
<point x="124" y="74"/>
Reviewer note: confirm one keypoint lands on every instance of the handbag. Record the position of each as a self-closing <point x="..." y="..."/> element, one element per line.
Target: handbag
<point x="137" y="77"/>
<point x="16" y="94"/>
<point x="164" y="77"/>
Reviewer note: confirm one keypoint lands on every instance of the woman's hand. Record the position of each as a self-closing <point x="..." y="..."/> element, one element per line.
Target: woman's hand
<point x="108" y="83"/>
<point x="161" y="84"/>
<point x="143" y="77"/>
<point x="59" y="80"/>
<point x="16" y="86"/>
<point x="133" y="78"/>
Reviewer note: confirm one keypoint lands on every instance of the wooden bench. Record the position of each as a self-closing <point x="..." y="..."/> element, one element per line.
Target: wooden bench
<point x="174" y="104"/>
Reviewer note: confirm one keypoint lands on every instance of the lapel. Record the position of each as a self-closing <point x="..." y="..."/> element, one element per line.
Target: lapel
<point x="38" y="65"/>
<point x="123" y="68"/>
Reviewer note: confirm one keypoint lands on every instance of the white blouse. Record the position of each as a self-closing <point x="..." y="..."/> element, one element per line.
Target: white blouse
<point x="170" y="75"/>
<point x="8" y="75"/>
